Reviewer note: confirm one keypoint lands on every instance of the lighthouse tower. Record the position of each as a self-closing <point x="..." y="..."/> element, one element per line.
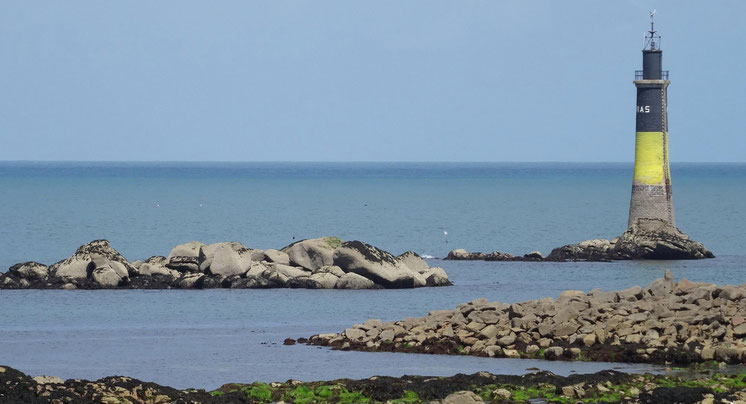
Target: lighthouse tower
<point x="651" y="186"/>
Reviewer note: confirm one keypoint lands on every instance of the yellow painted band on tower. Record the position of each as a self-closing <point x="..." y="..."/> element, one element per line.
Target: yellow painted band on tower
<point x="650" y="153"/>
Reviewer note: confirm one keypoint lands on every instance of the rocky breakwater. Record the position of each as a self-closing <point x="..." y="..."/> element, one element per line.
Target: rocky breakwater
<point x="651" y="239"/>
<point x="322" y="263"/>
<point x="682" y="322"/>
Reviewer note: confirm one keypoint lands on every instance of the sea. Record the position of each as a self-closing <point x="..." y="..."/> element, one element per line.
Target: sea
<point x="204" y="338"/>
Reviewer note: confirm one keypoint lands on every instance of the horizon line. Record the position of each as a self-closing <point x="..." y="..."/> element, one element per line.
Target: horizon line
<point x="361" y="161"/>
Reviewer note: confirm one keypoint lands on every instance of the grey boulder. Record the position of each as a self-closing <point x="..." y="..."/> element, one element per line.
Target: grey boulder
<point x="354" y="281"/>
<point x="313" y="253"/>
<point x="30" y="270"/>
<point x="225" y="259"/>
<point x="185" y="257"/>
<point x="377" y="265"/>
<point x="87" y="258"/>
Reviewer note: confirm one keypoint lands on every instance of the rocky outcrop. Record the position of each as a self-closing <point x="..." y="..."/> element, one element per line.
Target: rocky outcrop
<point x="651" y="239"/>
<point x="680" y="322"/>
<point x="327" y="263"/>
<point x="604" y="386"/>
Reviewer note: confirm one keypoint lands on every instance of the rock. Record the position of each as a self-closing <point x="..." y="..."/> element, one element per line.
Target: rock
<point x="277" y="256"/>
<point x="324" y="280"/>
<point x="500" y="256"/>
<point x="206" y="253"/>
<point x="463" y="255"/>
<point x="226" y="259"/>
<point x="107" y="277"/>
<point x="511" y="353"/>
<point x="313" y="253"/>
<point x="634" y="292"/>
<point x="354" y="281"/>
<point x="646" y="239"/>
<point x="462" y="397"/>
<point x="189" y="280"/>
<point x="156" y="265"/>
<point x="48" y="380"/>
<point x="657" y="239"/>
<point x="289" y="271"/>
<point x="30" y="270"/>
<point x="589" y="250"/>
<point x="564" y="329"/>
<point x="727" y="354"/>
<point x="506" y="340"/>
<point x="731" y="293"/>
<point x="377" y="265"/>
<point x="740" y="330"/>
<point x="662" y="287"/>
<point x="257" y="255"/>
<point x="533" y="256"/>
<point x="589" y="339"/>
<point x="354" y="334"/>
<point x="571" y="295"/>
<point x="554" y="352"/>
<point x="185" y="257"/>
<point x="331" y="269"/>
<point x="81" y="264"/>
<point x="502" y="394"/>
<point x="436" y="276"/>
<point x="414" y="262"/>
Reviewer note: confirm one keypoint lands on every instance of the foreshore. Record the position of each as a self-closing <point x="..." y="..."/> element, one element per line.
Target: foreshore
<point x="665" y="322"/>
<point x="605" y="386"/>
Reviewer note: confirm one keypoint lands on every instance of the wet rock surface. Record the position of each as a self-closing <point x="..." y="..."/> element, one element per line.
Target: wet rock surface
<point x="605" y="386"/>
<point x="666" y="322"/>
<point x="651" y="239"/>
<point x="323" y="263"/>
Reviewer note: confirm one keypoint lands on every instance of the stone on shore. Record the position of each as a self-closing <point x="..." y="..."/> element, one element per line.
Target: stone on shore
<point x="665" y="322"/>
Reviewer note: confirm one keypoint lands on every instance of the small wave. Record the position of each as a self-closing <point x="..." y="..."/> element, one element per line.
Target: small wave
<point x="426" y="256"/>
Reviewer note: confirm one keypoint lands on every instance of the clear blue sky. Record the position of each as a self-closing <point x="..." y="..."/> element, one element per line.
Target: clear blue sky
<point x="352" y="81"/>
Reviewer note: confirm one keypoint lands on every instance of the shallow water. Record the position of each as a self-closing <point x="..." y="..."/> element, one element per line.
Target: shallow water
<point x="207" y="338"/>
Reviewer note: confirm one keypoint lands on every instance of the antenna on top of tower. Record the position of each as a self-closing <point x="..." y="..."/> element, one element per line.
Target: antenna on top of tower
<point x="652" y="39"/>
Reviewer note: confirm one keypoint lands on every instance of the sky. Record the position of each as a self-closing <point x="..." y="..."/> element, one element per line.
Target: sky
<point x="300" y="80"/>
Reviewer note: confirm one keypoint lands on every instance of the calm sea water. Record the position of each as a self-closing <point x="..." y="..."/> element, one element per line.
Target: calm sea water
<point x="206" y="338"/>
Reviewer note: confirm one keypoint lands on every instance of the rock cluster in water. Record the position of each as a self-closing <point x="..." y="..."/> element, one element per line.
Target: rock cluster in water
<point x="322" y="263"/>
<point x="605" y="386"/>
<point x="680" y="322"/>
<point x="646" y="239"/>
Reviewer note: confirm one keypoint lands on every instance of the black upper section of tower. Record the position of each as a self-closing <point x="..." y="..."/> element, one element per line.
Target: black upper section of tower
<point x="652" y="55"/>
